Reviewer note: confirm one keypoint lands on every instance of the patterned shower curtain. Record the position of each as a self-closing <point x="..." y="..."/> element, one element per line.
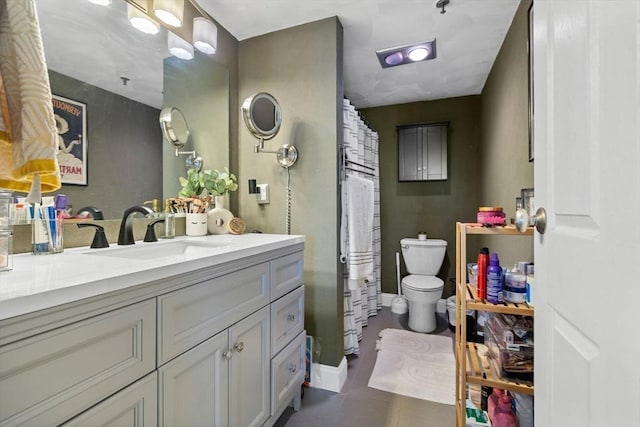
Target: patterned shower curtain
<point x="361" y="147"/>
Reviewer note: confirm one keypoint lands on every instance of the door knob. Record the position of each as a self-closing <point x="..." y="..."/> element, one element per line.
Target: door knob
<point x="227" y="355"/>
<point x="539" y="220"/>
<point x="239" y="347"/>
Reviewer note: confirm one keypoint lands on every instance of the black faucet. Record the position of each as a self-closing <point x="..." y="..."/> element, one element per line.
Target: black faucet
<point x="125" y="237"/>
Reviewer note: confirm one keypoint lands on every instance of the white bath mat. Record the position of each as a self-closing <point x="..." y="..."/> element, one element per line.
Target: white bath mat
<point x="415" y="365"/>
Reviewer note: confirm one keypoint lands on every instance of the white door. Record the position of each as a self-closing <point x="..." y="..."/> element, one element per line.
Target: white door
<point x="587" y="176"/>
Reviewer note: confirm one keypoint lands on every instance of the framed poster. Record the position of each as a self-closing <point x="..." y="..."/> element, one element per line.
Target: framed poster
<point x="71" y="125"/>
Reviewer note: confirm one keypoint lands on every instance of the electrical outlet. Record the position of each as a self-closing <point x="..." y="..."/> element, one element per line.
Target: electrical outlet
<point x="263" y="195"/>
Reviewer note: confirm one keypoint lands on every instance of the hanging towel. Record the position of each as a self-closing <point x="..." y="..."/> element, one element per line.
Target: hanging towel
<point x="28" y="143"/>
<point x="359" y="229"/>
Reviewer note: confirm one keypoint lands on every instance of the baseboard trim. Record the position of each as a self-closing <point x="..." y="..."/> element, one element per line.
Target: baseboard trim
<point x="327" y="377"/>
<point x="440" y="308"/>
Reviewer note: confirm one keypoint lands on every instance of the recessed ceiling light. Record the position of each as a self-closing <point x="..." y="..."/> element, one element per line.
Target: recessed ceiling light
<point x="407" y="54"/>
<point x="418" y="54"/>
<point x="101" y="2"/>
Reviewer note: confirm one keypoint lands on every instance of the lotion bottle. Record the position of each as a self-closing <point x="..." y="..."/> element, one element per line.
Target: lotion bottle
<point x="494" y="280"/>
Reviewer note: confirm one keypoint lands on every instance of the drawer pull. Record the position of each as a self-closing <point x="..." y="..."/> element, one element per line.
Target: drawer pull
<point x="238" y="346"/>
<point x="227" y="355"/>
<point x="291" y="317"/>
<point x="293" y="368"/>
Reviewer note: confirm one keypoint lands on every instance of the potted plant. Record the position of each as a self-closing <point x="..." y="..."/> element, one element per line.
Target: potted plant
<point x="215" y="183"/>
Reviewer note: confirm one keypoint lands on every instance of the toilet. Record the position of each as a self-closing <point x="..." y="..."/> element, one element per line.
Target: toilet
<point x="423" y="259"/>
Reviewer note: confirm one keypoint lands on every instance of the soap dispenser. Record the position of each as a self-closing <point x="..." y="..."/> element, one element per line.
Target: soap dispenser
<point x="155" y="207"/>
<point x="169" y="221"/>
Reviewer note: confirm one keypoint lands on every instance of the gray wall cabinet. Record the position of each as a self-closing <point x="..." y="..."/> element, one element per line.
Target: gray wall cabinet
<point x="422" y="152"/>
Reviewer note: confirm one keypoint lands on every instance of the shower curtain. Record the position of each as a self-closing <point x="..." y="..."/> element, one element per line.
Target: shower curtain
<point x="360" y="148"/>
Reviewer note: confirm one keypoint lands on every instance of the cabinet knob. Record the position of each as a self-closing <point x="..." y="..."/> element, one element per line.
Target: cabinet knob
<point x="291" y="317"/>
<point x="239" y="346"/>
<point x="227" y="355"/>
<point x="293" y="368"/>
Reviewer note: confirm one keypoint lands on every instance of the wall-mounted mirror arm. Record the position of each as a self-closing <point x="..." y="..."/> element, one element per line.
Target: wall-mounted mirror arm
<point x="263" y="117"/>
<point x="194" y="161"/>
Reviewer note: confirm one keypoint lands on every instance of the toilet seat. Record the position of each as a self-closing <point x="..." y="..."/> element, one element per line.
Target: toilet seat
<point x="421" y="283"/>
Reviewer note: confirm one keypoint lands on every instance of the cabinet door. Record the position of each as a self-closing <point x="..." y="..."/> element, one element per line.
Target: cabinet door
<point x="434" y="152"/>
<point x="51" y="377"/>
<point x="194" y="387"/>
<point x="135" y="406"/>
<point x="249" y="376"/>
<point x="410" y="154"/>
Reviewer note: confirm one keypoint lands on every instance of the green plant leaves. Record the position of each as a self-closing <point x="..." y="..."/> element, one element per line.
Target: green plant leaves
<point x="215" y="183"/>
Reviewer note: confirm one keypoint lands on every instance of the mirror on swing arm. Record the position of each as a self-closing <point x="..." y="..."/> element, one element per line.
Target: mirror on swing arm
<point x="176" y="131"/>
<point x="263" y="117"/>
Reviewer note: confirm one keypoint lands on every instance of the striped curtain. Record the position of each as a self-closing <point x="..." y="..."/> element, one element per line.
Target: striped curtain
<point x="361" y="146"/>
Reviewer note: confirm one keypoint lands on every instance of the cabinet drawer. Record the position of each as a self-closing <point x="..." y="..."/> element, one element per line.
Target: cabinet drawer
<point x="287" y="372"/>
<point x="286" y="274"/>
<point x="135" y="406"/>
<point x="189" y="316"/>
<point x="287" y="319"/>
<point x="51" y="377"/>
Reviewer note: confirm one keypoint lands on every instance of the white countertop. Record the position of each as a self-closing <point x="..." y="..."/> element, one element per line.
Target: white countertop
<point x="38" y="282"/>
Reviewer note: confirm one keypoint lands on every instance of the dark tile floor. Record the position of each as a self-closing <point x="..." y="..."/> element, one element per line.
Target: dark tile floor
<point x="360" y="406"/>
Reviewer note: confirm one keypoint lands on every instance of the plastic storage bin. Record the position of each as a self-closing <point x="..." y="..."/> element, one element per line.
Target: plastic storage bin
<point x="510" y="360"/>
<point x="512" y="329"/>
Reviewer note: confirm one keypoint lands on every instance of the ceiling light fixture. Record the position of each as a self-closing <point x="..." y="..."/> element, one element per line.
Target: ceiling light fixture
<point x="169" y="11"/>
<point x="205" y="35"/>
<point x="101" y="2"/>
<point x="141" y="21"/>
<point x="407" y="54"/>
<point x="179" y="47"/>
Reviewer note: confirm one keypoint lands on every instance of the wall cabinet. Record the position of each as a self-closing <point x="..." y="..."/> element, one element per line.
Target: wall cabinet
<point x="230" y="352"/>
<point x="422" y="152"/>
<point x="469" y="368"/>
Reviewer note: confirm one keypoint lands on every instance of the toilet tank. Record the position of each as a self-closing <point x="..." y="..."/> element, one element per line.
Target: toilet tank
<point x="423" y="257"/>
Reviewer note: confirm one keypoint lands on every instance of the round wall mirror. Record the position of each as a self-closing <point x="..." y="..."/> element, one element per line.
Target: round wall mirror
<point x="174" y="126"/>
<point x="262" y="115"/>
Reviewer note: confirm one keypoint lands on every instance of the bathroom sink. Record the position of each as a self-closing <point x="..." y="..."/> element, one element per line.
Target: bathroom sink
<point x="145" y="251"/>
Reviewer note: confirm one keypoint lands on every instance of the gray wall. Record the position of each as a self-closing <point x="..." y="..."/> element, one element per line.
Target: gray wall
<point x="124" y="151"/>
<point x="432" y="206"/>
<point x="199" y="88"/>
<point x="302" y="68"/>
<point x="505" y="166"/>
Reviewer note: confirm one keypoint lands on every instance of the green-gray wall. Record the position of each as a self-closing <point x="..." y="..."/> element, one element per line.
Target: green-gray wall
<point x="432" y="206"/>
<point x="505" y="162"/>
<point x="302" y="68"/>
<point x="124" y="150"/>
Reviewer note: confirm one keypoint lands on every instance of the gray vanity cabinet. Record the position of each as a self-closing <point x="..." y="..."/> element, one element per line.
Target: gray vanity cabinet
<point x="218" y="346"/>
<point x="422" y="152"/>
<point x="221" y="382"/>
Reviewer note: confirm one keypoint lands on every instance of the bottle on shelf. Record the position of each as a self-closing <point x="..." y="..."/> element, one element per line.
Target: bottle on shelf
<point x="483" y="263"/>
<point x="494" y="280"/>
<point x="494" y="399"/>
<point x="485" y="392"/>
<point x="503" y="416"/>
<point x="530" y="284"/>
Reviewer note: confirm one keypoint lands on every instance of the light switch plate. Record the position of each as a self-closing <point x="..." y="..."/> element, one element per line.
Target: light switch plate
<point x="263" y="196"/>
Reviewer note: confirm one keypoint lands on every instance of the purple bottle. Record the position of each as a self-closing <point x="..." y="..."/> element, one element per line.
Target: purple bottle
<point x="494" y="280"/>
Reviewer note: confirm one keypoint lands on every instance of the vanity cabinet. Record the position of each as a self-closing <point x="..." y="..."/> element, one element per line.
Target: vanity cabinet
<point x="51" y="377"/>
<point x="223" y="381"/>
<point x="223" y="345"/>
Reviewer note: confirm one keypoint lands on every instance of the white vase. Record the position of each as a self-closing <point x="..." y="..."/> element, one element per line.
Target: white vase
<point x="218" y="218"/>
<point x="196" y="224"/>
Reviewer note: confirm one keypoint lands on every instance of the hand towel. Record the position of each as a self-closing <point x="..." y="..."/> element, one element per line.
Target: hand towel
<point x="359" y="228"/>
<point x="28" y="144"/>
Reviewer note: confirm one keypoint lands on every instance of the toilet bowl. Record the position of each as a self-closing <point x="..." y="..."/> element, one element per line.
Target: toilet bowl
<point x="423" y="259"/>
